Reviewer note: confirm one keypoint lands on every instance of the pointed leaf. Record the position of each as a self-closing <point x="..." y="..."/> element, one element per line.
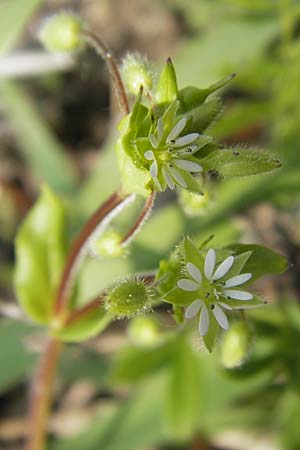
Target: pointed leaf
<point x="240" y="162"/>
<point x="262" y="261"/>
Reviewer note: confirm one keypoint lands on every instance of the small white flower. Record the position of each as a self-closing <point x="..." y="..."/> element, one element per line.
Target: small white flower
<point x="171" y="151"/>
<point x="211" y="292"/>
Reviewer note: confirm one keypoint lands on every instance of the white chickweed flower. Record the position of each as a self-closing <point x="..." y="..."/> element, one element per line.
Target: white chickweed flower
<point x="214" y="291"/>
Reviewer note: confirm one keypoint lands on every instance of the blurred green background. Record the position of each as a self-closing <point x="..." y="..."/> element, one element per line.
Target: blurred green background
<point x="132" y="389"/>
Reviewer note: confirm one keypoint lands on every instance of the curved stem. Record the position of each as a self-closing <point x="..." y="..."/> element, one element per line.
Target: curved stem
<point x="94" y="41"/>
<point x="79" y="248"/>
<point x="41" y="396"/>
<point x="143" y="216"/>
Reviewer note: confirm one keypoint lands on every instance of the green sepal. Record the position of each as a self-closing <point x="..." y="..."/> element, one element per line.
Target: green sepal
<point x="178" y="314"/>
<point x="138" y="113"/>
<point x="84" y="328"/>
<point x="263" y="260"/>
<point x="238" y="265"/>
<point x="190" y="97"/>
<point x="237" y="162"/>
<point x="211" y="336"/>
<point x="179" y="297"/>
<point x="204" y="115"/>
<point x="167" y="89"/>
<point x="40" y="254"/>
<point x="168" y="272"/>
<point x="192" y="253"/>
<point x="133" y="179"/>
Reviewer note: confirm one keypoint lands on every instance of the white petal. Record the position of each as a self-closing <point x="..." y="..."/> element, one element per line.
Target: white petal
<point x="238" y="295"/>
<point x="223" y="268"/>
<point x="189" y="166"/>
<point x="186" y="140"/>
<point x="209" y="264"/>
<point x="149" y="155"/>
<point x="225" y="306"/>
<point x="194" y="272"/>
<point x="238" y="280"/>
<point x="192" y="309"/>
<point x="168" y="178"/>
<point x="204" y="321"/>
<point x="154" y="169"/>
<point x="177" y="177"/>
<point x="153" y="140"/>
<point x="220" y="317"/>
<point x="187" y="285"/>
<point x="176" y="130"/>
<point x="160" y="130"/>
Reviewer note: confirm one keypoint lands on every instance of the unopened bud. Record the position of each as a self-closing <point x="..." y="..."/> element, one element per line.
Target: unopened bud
<point x="61" y="32"/>
<point x="136" y="72"/>
<point x="144" y="332"/>
<point x="236" y="345"/>
<point x="195" y="204"/>
<point x="128" y="299"/>
<point x="108" y="245"/>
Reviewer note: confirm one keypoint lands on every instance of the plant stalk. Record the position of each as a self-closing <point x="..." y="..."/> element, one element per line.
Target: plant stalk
<point x="94" y="41"/>
<point x="41" y="393"/>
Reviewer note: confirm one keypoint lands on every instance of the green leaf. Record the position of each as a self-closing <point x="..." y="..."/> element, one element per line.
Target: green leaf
<point x="16" y="361"/>
<point x="40" y="254"/>
<point x="167" y="89"/>
<point x="84" y="328"/>
<point x="192" y="254"/>
<point x="190" y="97"/>
<point x="262" y="261"/>
<point x="240" y="162"/>
<point x="204" y="115"/>
<point x="13" y="16"/>
<point x="135" y="363"/>
<point x="182" y="394"/>
<point x="42" y="151"/>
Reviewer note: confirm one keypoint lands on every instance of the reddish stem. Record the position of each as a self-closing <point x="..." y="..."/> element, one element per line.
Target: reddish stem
<point x="94" y="40"/>
<point x="41" y="395"/>
<point x="140" y="220"/>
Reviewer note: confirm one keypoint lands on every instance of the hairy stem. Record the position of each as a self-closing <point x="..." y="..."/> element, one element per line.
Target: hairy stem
<point x="140" y="220"/>
<point x="41" y="396"/>
<point x="94" y="41"/>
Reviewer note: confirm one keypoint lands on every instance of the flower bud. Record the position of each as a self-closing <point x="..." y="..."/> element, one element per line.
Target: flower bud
<point x="108" y="245"/>
<point x="235" y="345"/>
<point x="195" y="204"/>
<point x="136" y="72"/>
<point x="61" y="32"/>
<point x="144" y="332"/>
<point x="128" y="299"/>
